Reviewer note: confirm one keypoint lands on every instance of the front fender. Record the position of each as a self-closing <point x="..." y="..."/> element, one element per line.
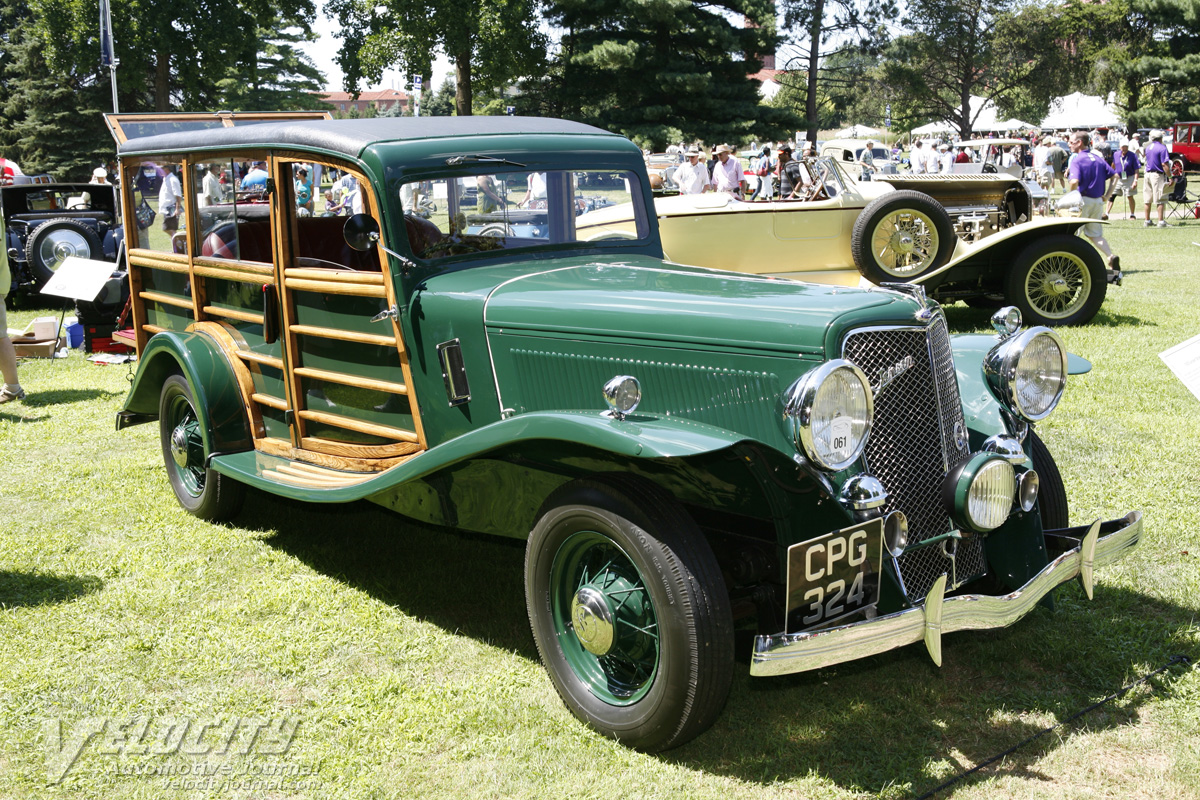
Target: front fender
<point x="198" y="357"/>
<point x="1001" y="247"/>
<point x="981" y="409"/>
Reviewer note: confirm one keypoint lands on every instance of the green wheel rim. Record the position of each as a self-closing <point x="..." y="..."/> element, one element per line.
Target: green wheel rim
<point x="604" y="618"/>
<point x="904" y="243"/>
<point x="186" y="445"/>
<point x="1058" y="284"/>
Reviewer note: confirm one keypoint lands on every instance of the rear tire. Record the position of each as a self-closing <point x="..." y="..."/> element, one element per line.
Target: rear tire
<point x="629" y="612"/>
<point x="901" y="236"/>
<point x="1057" y="280"/>
<point x="203" y="492"/>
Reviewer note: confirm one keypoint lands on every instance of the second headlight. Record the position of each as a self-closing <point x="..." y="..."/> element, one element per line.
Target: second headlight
<point x="828" y="413"/>
<point x="1028" y="372"/>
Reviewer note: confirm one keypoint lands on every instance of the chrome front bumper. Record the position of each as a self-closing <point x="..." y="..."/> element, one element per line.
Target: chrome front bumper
<point x="784" y="653"/>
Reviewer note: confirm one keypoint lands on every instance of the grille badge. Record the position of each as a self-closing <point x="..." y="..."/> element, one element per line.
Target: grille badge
<point x="889" y="374"/>
<point x="960" y="435"/>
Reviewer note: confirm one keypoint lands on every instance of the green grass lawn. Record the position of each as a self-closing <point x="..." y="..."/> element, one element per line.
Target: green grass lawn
<point x="403" y="656"/>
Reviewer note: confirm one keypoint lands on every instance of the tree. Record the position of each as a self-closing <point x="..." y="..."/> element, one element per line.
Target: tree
<point x="441" y="102"/>
<point x="827" y="34"/>
<point x="840" y="99"/>
<point x="1171" y="70"/>
<point x="273" y="75"/>
<point x="661" y="71"/>
<point x="964" y="48"/>
<point x="178" y="52"/>
<point x="490" y="42"/>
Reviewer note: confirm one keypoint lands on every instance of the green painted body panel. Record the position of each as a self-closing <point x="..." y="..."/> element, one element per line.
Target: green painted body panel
<point x="641" y="437"/>
<point x="164" y="282"/>
<point x="197" y="357"/>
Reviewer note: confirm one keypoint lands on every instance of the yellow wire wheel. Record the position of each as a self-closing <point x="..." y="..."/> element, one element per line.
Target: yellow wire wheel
<point x="1058" y="280"/>
<point x="901" y="236"/>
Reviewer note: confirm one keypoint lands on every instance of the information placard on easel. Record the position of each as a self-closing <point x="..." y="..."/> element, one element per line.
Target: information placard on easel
<point x="1184" y="360"/>
<point x="79" y="278"/>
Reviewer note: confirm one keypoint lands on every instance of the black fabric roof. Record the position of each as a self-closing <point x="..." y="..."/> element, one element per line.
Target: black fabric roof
<point x="349" y="136"/>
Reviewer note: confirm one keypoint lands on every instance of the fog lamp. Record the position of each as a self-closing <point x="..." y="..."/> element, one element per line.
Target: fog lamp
<point x="982" y="492"/>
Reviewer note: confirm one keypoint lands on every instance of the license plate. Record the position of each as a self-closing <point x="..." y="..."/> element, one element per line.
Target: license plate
<point x="834" y="575"/>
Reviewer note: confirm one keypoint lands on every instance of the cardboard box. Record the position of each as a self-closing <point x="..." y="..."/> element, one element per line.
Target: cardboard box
<point x="30" y="347"/>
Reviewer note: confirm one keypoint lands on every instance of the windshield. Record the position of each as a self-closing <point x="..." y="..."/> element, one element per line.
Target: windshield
<point x="513" y="210"/>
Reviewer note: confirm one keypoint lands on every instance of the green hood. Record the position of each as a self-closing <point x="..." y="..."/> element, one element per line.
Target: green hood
<point x="649" y="302"/>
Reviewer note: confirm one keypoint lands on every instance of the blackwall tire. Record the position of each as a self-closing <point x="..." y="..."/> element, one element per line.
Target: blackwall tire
<point x="901" y="236"/>
<point x="203" y="492"/>
<point x="629" y="612"/>
<point x="1057" y="280"/>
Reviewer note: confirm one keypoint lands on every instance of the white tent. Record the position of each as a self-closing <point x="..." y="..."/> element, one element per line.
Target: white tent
<point x="934" y="127"/>
<point x="1079" y="110"/>
<point x="857" y="132"/>
<point x="1012" y="125"/>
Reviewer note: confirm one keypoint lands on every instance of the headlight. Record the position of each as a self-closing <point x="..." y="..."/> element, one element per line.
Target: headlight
<point x="828" y="414"/>
<point x="1028" y="372"/>
<point x="982" y="492"/>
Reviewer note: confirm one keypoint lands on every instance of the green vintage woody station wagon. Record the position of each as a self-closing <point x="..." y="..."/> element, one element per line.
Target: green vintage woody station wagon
<point x="686" y="452"/>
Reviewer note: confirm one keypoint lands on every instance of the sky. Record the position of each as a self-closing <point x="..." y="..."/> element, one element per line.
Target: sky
<point x="323" y="52"/>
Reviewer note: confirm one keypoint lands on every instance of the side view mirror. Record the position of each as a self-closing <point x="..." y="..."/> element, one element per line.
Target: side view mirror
<point x="361" y="232"/>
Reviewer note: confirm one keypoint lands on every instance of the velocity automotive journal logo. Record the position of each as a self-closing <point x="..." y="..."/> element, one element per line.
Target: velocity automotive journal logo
<point x="217" y="750"/>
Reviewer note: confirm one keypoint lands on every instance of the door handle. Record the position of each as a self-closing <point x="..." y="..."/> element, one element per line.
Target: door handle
<point x="387" y="313"/>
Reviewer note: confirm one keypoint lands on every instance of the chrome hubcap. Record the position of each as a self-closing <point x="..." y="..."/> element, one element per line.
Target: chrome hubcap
<point x="179" y="446"/>
<point x="592" y="621"/>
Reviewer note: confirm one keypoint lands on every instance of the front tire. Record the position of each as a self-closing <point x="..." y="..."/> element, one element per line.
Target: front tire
<point x="901" y="236"/>
<point x="203" y="492"/>
<point x="1052" y="494"/>
<point x="629" y="612"/>
<point x="1057" y="280"/>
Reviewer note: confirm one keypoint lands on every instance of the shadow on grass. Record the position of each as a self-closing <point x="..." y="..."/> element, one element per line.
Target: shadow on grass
<point x="875" y="725"/>
<point x="897" y="725"/>
<point x="465" y="584"/>
<point x="59" y="397"/>
<point x="964" y="319"/>
<point x="27" y="589"/>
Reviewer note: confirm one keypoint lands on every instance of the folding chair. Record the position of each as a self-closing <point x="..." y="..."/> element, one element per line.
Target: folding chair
<point x="1180" y="202"/>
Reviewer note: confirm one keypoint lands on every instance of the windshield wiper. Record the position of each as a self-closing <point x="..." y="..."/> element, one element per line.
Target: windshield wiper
<point x="456" y="160"/>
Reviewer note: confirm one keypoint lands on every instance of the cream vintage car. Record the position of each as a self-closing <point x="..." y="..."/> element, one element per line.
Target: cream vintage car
<point x="963" y="237"/>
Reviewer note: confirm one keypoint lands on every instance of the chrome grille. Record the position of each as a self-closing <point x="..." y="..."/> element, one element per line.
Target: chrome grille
<point x="913" y="443"/>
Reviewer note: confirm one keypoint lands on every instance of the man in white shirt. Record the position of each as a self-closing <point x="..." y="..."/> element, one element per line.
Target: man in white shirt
<point x="727" y="173"/>
<point x="169" y="196"/>
<point x="692" y="175"/>
<point x="945" y="159"/>
<point x="1042" y="164"/>
<point x="916" y="158"/>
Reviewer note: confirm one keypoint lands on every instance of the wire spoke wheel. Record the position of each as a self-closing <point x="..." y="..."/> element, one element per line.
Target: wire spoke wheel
<point x="202" y="492"/>
<point x="1058" y="285"/>
<point x="1057" y="280"/>
<point x="904" y="243"/>
<point x="604" y="618"/>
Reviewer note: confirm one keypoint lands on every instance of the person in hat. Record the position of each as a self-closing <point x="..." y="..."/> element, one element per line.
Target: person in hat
<point x="1126" y="164"/>
<point x="727" y="174"/>
<point x="692" y="175"/>
<point x="945" y="158"/>
<point x="1158" y="162"/>
<point x="99" y="175"/>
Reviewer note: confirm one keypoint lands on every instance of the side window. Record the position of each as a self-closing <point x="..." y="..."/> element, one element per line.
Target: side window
<point x="157" y="185"/>
<point x="317" y="241"/>
<point x="234" y="215"/>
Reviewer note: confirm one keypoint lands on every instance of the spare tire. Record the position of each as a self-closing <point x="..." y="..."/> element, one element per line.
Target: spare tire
<point x="901" y="236"/>
<point x="56" y="240"/>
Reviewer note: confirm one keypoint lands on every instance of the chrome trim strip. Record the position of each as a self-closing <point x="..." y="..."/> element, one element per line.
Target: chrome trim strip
<point x="782" y="654"/>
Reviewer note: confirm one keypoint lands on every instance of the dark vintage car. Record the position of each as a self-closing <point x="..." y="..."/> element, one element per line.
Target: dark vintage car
<point x="686" y="453"/>
<point x="47" y="222"/>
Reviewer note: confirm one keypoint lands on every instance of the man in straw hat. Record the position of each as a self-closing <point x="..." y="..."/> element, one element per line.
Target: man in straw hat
<point x="727" y="172"/>
<point x="692" y="175"/>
